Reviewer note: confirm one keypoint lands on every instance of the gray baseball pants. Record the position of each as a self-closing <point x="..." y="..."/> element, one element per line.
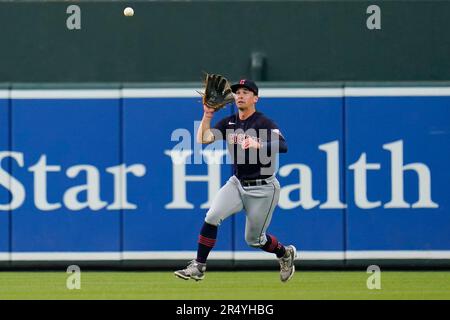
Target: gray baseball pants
<point x="258" y="203"/>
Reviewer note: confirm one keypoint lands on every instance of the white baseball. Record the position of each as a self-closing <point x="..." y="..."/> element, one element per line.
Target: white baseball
<point x="128" y="12"/>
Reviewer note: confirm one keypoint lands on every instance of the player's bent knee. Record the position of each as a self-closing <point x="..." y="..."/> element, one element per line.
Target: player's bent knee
<point x="213" y="220"/>
<point x="255" y="243"/>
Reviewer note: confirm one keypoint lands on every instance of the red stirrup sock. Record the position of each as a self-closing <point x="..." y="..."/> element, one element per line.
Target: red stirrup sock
<point x="272" y="245"/>
<point x="206" y="241"/>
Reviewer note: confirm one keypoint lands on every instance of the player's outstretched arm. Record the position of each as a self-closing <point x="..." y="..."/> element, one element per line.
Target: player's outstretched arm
<point x="204" y="133"/>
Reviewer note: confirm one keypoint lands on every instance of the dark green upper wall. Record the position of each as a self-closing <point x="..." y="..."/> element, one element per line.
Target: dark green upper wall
<point x="175" y="41"/>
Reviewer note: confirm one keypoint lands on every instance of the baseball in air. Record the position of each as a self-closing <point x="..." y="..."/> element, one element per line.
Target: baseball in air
<point x="128" y="12"/>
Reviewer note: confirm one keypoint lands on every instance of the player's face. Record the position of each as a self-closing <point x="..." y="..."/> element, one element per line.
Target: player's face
<point x="245" y="98"/>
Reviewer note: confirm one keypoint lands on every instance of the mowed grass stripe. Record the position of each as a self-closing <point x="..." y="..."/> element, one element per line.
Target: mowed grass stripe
<point x="246" y="285"/>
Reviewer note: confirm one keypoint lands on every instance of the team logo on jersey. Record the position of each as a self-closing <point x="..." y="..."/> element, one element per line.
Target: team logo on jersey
<point x="238" y="138"/>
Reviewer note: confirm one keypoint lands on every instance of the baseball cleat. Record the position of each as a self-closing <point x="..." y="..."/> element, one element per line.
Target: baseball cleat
<point x="195" y="270"/>
<point x="287" y="267"/>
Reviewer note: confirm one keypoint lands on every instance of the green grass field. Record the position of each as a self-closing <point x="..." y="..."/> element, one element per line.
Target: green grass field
<point x="226" y="285"/>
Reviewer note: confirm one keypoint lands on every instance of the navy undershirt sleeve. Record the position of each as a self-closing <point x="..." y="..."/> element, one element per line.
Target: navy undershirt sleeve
<point x="275" y="145"/>
<point x="275" y="140"/>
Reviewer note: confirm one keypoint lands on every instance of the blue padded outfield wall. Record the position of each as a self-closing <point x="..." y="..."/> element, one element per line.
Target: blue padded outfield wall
<point x="115" y="176"/>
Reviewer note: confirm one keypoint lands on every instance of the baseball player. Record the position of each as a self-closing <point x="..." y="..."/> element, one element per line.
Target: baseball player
<point x="253" y="141"/>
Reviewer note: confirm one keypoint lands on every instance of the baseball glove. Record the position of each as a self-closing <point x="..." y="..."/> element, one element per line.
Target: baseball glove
<point x="217" y="92"/>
